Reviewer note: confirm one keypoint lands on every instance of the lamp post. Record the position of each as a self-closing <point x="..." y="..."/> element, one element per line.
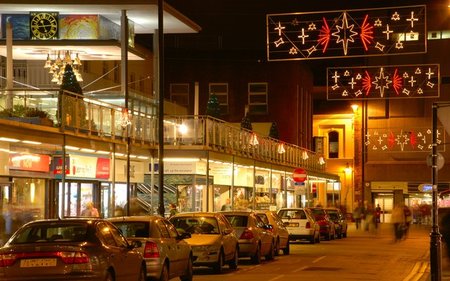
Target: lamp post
<point x="435" y="236"/>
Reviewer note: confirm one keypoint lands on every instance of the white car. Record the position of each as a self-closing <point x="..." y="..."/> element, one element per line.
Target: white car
<point x="300" y="224"/>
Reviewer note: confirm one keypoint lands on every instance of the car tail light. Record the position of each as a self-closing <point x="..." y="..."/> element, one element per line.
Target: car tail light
<point x="308" y="225"/>
<point x="151" y="250"/>
<point x="74" y="257"/>
<point x="247" y="234"/>
<point x="7" y="259"/>
<point x="66" y="257"/>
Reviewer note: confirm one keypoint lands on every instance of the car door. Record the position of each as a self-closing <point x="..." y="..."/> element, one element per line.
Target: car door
<point x="181" y="247"/>
<point x="229" y="239"/>
<point x="265" y="235"/>
<point x="126" y="262"/>
<point x="169" y="246"/>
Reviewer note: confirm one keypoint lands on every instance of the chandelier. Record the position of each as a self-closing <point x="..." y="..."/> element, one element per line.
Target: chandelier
<point x="58" y="64"/>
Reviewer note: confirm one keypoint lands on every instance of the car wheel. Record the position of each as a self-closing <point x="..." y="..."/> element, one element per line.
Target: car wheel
<point x="256" y="258"/>
<point x="109" y="276"/>
<point x="142" y="274"/>
<point x="277" y="247"/>
<point x="270" y="255"/>
<point x="189" y="273"/>
<point x="234" y="262"/>
<point x="218" y="267"/>
<point x="164" y="273"/>
<point x="287" y="250"/>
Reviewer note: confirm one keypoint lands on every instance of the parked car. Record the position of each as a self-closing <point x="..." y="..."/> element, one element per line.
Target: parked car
<point x="213" y="240"/>
<point x="278" y="229"/>
<point x="70" y="249"/>
<point x="339" y="220"/>
<point x="255" y="237"/>
<point x="167" y="255"/>
<point x="327" y="226"/>
<point x="300" y="224"/>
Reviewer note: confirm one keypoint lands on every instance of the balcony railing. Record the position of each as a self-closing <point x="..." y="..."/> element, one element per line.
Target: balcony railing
<point x="76" y="114"/>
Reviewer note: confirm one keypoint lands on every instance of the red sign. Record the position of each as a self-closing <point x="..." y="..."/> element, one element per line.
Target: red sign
<point x="299" y="175"/>
<point x="102" y="171"/>
<point x="29" y="162"/>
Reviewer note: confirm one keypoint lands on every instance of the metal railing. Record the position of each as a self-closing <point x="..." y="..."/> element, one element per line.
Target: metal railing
<point x="76" y="114"/>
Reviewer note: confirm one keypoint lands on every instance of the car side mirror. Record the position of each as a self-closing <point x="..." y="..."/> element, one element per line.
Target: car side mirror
<point x="227" y="231"/>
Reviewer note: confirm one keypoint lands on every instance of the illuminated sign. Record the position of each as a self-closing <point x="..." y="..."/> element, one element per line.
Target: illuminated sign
<point x="378" y="82"/>
<point x="29" y="162"/>
<point x="349" y="33"/>
<point x="401" y="139"/>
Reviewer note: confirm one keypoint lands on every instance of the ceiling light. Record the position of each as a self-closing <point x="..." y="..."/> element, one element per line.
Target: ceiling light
<point x="9" y="139"/>
<point x="31" y="142"/>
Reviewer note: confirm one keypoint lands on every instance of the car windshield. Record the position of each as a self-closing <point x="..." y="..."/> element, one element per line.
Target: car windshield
<point x="133" y="228"/>
<point x="196" y="225"/>
<point x="51" y="233"/>
<point x="237" y="220"/>
<point x="292" y="214"/>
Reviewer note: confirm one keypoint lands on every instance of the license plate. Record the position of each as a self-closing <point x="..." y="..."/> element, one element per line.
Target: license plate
<point x="37" y="262"/>
<point x="293" y="224"/>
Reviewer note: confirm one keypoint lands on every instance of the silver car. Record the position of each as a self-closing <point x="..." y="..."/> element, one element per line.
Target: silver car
<point x="166" y="253"/>
<point x="300" y="224"/>
<point x="213" y="239"/>
<point x="70" y="249"/>
<point x="255" y="237"/>
<point x="279" y="230"/>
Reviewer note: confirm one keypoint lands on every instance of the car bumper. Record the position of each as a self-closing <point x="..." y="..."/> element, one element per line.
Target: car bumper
<point x="246" y="249"/>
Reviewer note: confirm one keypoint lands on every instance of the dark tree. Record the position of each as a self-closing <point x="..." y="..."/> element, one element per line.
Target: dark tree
<point x="246" y="123"/>
<point x="213" y="106"/>
<point x="273" y="133"/>
<point x="71" y="102"/>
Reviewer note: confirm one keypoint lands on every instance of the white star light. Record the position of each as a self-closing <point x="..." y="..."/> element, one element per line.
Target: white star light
<point x="279" y="28"/>
<point x="345" y="33"/>
<point x="381" y="82"/>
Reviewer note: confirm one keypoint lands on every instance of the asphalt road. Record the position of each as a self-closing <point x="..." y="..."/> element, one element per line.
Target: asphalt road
<point x="361" y="256"/>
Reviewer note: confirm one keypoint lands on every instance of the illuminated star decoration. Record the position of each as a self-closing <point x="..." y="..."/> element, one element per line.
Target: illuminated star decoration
<point x="391" y="140"/>
<point x="345" y="33"/>
<point x="382" y="82"/>
<point x="366" y="33"/>
<point x="402" y="139"/>
<point x="367" y="83"/>
<point x="397" y="82"/>
<point x="324" y="36"/>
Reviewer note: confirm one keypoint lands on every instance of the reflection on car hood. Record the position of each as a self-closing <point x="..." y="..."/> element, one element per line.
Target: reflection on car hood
<point x="203" y="239"/>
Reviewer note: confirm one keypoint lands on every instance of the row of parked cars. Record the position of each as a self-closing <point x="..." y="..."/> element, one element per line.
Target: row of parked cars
<point x="151" y="247"/>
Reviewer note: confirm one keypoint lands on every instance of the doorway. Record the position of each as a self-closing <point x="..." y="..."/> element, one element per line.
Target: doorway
<point x="74" y="196"/>
<point x="386" y="202"/>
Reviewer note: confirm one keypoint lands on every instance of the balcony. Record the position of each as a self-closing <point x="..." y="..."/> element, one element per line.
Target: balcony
<point x="69" y="113"/>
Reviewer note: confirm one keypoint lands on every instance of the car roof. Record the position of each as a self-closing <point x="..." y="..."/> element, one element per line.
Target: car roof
<point x="196" y="214"/>
<point x="135" y="218"/>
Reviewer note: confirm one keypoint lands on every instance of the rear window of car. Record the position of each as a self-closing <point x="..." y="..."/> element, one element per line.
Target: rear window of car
<point x="133" y="228"/>
<point x="196" y="225"/>
<point x="51" y="233"/>
<point x="237" y="221"/>
<point x="292" y="214"/>
<point x="318" y="212"/>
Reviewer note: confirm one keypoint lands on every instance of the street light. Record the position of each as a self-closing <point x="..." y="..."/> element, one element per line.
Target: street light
<point x="435" y="236"/>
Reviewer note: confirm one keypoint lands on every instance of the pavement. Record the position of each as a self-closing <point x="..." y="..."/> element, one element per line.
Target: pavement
<point x="419" y="240"/>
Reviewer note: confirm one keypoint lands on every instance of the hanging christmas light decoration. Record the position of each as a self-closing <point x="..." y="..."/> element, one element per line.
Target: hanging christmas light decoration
<point x="281" y="148"/>
<point x="57" y="65"/>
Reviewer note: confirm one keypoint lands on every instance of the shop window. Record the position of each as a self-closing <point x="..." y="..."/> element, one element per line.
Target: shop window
<point x="221" y="92"/>
<point x="333" y="144"/>
<point x="179" y="93"/>
<point x="257" y="98"/>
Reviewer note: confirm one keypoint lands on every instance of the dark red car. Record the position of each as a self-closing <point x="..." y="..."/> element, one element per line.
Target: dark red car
<point x="327" y="227"/>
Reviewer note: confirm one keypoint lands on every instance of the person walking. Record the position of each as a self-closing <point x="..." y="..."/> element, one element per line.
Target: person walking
<point x="357" y="215"/>
<point x="398" y="222"/>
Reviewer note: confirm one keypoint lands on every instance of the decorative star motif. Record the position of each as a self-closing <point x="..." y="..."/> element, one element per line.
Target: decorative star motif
<point x="387" y="32"/>
<point x="378" y="23"/>
<point x="311" y="50"/>
<point x="412" y="19"/>
<point x="380" y="46"/>
<point x="345" y="33"/>
<point x="293" y="51"/>
<point x="279" y="28"/>
<point x="295" y="22"/>
<point x="399" y="45"/>
<point x="420" y="91"/>
<point x="429" y="73"/>
<point x="312" y="26"/>
<point x="395" y="16"/>
<point x="279" y="42"/>
<point x="358" y="76"/>
<point x="346" y="73"/>
<point x="303" y="36"/>
<point x="336" y="76"/>
<point x="381" y="82"/>
<point x="405" y="75"/>
<point x="402" y="139"/>
<point x="334" y="87"/>
<point x="429" y="84"/>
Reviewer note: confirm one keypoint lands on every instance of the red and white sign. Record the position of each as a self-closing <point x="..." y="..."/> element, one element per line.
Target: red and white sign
<point x="29" y="162"/>
<point x="299" y="175"/>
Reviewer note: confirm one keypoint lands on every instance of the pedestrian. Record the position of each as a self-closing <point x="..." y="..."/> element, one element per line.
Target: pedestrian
<point x="90" y="211"/>
<point x="408" y="219"/>
<point x="377" y="215"/>
<point x="398" y="222"/>
<point x="357" y="216"/>
<point x="172" y="209"/>
<point x="226" y="206"/>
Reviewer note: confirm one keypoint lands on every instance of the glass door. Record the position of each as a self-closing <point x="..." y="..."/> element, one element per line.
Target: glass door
<point x="74" y="197"/>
